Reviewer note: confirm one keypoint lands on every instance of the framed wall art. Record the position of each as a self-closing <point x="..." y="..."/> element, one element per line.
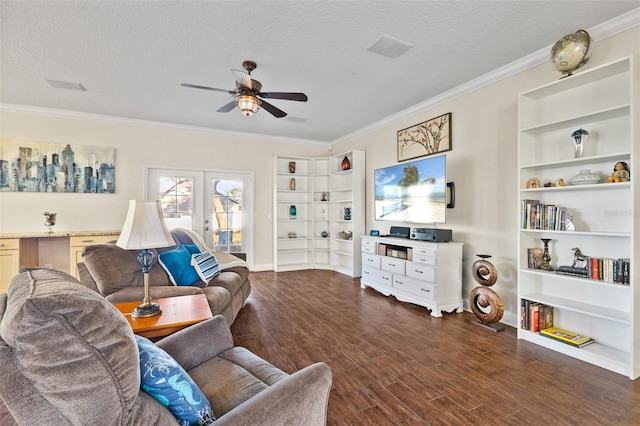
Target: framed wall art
<point x="28" y="166"/>
<point x="427" y="138"/>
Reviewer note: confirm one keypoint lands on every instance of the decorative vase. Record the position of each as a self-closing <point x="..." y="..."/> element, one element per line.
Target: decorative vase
<point x="292" y="184"/>
<point x="346" y="164"/>
<point x="347" y="213"/>
<point x="580" y="137"/>
<point x="292" y="212"/>
<point x="50" y="221"/>
<point x="292" y="166"/>
<point x="546" y="257"/>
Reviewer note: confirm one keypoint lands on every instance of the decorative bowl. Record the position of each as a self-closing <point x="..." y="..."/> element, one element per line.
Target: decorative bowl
<point x="585" y="177"/>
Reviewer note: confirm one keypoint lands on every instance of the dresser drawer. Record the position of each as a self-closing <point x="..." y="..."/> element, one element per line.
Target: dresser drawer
<point x="421" y="272"/>
<point x="9" y="243"/>
<point x="372" y="260"/>
<point x="419" y="288"/>
<point x="425" y="256"/>
<point x="377" y="275"/>
<point x="393" y="264"/>
<point x="90" y="240"/>
<point x="369" y="246"/>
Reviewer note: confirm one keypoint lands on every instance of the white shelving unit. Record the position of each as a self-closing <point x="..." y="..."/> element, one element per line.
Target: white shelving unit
<point x="603" y="101"/>
<point x="323" y="191"/>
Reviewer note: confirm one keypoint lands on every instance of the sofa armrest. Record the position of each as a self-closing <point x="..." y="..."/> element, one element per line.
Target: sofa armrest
<point x="299" y="399"/>
<point x="199" y="342"/>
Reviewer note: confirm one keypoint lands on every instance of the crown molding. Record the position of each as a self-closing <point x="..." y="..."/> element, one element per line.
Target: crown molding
<point x="599" y="32"/>
<point x="59" y="113"/>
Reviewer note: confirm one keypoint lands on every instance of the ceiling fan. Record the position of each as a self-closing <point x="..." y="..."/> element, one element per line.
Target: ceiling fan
<point x="248" y="96"/>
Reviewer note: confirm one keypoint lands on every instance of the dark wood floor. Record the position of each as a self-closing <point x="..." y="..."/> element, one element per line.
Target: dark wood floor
<point x="393" y="364"/>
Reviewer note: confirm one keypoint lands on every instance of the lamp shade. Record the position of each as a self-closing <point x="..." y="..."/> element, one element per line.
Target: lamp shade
<point x="247" y="104"/>
<point x="144" y="227"/>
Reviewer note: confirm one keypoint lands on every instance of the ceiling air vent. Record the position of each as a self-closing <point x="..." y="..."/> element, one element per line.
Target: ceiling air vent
<point x="389" y="46"/>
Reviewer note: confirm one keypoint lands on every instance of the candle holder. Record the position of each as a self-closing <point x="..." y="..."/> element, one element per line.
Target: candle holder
<point x="546" y="257"/>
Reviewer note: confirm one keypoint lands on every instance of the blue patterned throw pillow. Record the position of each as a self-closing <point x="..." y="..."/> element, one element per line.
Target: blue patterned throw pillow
<point x="177" y="263"/>
<point x="206" y="265"/>
<point x="166" y="381"/>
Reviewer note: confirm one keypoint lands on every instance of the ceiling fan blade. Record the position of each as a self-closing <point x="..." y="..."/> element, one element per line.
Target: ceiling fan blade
<point x="276" y="112"/>
<point x="301" y="97"/>
<point x="242" y="78"/>
<point x="228" y="107"/>
<point x="195" y="86"/>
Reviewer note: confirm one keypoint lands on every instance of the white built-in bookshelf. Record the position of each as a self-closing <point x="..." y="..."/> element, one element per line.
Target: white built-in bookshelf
<point x="603" y="101"/>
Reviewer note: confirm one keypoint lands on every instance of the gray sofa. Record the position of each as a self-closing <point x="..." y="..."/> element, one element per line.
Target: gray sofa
<point x="68" y="357"/>
<point x="116" y="274"/>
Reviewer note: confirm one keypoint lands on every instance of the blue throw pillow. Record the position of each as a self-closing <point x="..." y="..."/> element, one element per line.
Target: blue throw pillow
<point x="166" y="381"/>
<point x="177" y="263"/>
<point x="206" y="265"/>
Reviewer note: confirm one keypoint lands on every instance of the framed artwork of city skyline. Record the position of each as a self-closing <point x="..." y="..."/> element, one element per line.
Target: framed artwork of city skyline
<point x="35" y="166"/>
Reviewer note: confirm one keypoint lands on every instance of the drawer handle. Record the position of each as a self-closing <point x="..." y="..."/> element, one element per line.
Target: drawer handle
<point x="392" y="265"/>
<point x="399" y="282"/>
<point x="87" y="241"/>
<point x="424" y="289"/>
<point x="385" y="278"/>
<point x="370" y="260"/>
<point x="365" y="272"/>
<point x="419" y="271"/>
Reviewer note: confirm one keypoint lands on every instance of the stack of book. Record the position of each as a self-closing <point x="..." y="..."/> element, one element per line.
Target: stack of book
<point x="568" y="337"/>
<point x="535" y="316"/>
<point x="549" y="217"/>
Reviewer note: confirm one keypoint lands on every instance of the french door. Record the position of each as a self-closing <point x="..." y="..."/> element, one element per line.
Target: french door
<point x="215" y="204"/>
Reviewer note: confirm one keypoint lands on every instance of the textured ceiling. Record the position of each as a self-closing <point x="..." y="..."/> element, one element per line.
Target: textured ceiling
<point x="132" y="55"/>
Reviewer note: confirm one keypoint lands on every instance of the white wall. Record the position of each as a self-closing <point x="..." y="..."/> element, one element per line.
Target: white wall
<point x="137" y="146"/>
<point x="483" y="165"/>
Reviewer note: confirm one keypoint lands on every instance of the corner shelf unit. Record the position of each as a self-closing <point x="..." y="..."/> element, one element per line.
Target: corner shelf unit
<point x="605" y="102"/>
<point x="323" y="190"/>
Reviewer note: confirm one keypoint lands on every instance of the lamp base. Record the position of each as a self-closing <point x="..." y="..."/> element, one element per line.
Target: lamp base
<point x="146" y="310"/>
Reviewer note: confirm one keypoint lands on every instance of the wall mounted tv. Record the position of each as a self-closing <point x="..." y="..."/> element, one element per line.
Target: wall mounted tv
<point x="415" y="191"/>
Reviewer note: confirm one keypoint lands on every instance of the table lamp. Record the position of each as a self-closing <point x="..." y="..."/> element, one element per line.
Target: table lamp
<point x="144" y="228"/>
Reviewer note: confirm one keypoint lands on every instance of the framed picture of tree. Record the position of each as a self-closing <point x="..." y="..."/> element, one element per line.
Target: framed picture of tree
<point x="427" y="138"/>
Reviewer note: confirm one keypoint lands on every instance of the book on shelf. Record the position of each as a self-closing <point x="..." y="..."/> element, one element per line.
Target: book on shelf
<point x="568" y="337"/>
<point x="535" y="316"/>
<point x="537" y="215"/>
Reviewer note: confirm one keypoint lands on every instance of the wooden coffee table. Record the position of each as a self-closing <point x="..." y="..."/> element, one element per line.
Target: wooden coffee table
<point x="177" y="313"/>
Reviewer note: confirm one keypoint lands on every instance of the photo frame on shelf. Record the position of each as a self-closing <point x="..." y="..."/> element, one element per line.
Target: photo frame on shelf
<point x="427" y="138"/>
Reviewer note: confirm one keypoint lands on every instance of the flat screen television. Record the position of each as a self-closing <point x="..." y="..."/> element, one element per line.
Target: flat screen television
<point x="415" y="191"/>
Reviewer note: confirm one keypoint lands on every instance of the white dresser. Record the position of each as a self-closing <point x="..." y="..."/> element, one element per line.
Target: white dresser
<point x="426" y="274"/>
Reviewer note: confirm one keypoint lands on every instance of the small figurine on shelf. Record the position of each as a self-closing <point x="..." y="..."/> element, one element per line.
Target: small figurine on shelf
<point x="620" y="173"/>
<point x="534" y="182"/>
<point x="561" y="182"/>
<point x="324" y="196"/>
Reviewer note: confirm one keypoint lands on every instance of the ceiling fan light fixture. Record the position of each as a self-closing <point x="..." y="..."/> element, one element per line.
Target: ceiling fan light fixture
<point x="247" y="104"/>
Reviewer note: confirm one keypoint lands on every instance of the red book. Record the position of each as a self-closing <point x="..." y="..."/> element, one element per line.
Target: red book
<point x="534" y="323"/>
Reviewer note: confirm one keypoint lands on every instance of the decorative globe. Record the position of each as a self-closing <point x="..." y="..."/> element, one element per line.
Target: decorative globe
<point x="571" y="52"/>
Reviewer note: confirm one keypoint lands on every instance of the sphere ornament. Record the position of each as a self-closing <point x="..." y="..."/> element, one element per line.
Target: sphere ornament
<point x="571" y="52"/>
<point x="485" y="303"/>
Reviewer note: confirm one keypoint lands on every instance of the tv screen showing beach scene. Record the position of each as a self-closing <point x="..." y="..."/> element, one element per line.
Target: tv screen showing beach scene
<point x="414" y="191"/>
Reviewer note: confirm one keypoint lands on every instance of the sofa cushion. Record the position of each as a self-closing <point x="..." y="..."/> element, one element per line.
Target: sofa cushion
<point x="114" y="268"/>
<point x="177" y="263"/>
<point x="165" y="380"/>
<point x="45" y="324"/>
<point x="206" y="265"/>
<point x="233" y="377"/>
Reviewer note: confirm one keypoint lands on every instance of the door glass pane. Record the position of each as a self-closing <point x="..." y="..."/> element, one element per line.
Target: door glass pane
<point x="176" y="197"/>
<point x="227" y="215"/>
